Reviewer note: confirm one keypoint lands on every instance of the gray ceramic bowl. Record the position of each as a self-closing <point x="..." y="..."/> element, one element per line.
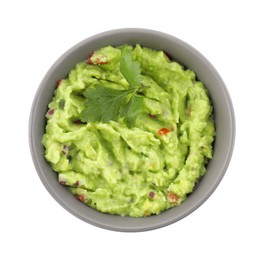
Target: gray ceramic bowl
<point x="183" y="53"/>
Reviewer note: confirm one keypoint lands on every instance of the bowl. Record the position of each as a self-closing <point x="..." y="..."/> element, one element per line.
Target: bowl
<point x="184" y="54"/>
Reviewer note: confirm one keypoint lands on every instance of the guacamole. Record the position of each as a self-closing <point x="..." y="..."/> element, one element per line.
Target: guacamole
<point x="131" y="170"/>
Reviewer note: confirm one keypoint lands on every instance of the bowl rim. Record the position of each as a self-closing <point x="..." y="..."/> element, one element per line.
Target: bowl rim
<point x="131" y="228"/>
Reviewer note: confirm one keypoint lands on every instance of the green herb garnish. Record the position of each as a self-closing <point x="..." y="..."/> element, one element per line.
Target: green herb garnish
<point x="104" y="104"/>
<point x="130" y="69"/>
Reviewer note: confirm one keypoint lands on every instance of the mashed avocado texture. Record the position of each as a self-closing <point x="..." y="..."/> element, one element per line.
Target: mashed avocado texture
<point x="135" y="170"/>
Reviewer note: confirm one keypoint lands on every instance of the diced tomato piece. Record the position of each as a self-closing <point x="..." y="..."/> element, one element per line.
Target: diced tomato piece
<point x="163" y="131"/>
<point x="172" y="197"/>
<point x="80" y="197"/>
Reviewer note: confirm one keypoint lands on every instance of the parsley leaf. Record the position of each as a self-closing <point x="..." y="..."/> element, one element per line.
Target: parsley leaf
<point x="130" y="69"/>
<point x="104" y="104"/>
<point x="131" y="110"/>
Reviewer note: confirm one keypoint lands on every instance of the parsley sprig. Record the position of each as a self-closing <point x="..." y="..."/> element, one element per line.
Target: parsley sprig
<point x="104" y="104"/>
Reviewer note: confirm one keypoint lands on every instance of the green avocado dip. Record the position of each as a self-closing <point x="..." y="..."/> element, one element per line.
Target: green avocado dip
<point x="129" y="135"/>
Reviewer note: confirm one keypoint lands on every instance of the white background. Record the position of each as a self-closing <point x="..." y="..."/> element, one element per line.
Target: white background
<point x="229" y="225"/>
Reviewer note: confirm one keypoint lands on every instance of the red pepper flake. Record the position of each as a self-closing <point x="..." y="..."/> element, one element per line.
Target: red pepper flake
<point x="63" y="183"/>
<point x="80" y="197"/>
<point x="65" y="149"/>
<point x="58" y="82"/>
<point x="172" y="197"/>
<point x="77" y="183"/>
<point x="163" y="131"/>
<point x="78" y="122"/>
<point x="151" y="194"/>
<point x="152" y="116"/>
<point x="99" y="62"/>
<point x="89" y="58"/>
<point x="51" y="112"/>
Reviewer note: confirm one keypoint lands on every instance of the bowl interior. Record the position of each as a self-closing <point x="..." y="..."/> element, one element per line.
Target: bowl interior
<point x="184" y="54"/>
